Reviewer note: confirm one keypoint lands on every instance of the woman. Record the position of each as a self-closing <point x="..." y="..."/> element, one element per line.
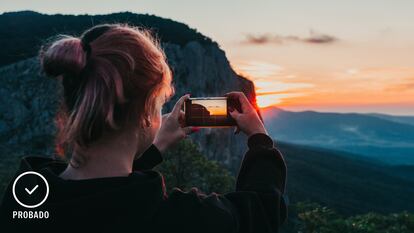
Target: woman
<point x="116" y="80"/>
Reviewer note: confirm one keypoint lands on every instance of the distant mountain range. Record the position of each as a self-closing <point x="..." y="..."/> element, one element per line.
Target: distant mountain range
<point x="381" y="137"/>
<point x="346" y="183"/>
<point x="400" y="119"/>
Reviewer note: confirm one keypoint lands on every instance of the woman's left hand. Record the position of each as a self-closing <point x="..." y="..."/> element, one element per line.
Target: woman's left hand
<point x="173" y="127"/>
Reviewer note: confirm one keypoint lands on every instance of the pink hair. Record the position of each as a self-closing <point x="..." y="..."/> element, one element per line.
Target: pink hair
<point x="114" y="83"/>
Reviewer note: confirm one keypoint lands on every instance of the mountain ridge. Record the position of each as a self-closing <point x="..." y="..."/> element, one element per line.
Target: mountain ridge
<point x="29" y="29"/>
<point x="350" y="184"/>
<point x="405" y="119"/>
<point x="362" y="134"/>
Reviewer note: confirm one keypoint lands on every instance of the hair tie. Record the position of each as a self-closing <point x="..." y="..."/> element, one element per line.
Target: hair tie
<point x="92" y="35"/>
<point x="87" y="48"/>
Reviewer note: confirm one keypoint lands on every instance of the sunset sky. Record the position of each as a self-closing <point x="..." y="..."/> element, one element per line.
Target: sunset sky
<point x="341" y="56"/>
<point x="215" y="107"/>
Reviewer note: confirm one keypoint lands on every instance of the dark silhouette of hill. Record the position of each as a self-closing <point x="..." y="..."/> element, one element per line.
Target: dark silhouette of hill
<point x="344" y="182"/>
<point x="22" y="33"/>
<point x="199" y="111"/>
<point x="363" y="134"/>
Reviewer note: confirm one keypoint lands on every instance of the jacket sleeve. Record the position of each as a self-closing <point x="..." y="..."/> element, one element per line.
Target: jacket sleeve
<point x="256" y="206"/>
<point x="148" y="160"/>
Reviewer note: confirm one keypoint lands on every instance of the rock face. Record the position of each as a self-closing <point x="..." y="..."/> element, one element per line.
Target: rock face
<point x="203" y="70"/>
<point x="28" y="101"/>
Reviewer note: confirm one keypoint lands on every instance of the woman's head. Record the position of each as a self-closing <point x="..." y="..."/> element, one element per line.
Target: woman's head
<point x="115" y="78"/>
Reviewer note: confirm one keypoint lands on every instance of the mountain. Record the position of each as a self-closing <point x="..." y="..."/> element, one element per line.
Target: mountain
<point x="400" y="119"/>
<point x="29" y="100"/>
<point x="22" y="33"/>
<point x="345" y="182"/>
<point x="374" y="137"/>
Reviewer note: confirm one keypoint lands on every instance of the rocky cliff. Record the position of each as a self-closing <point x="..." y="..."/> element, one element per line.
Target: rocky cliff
<point x="28" y="100"/>
<point x="203" y="70"/>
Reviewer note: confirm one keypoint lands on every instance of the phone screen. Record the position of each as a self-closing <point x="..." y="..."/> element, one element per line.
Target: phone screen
<point x="208" y="112"/>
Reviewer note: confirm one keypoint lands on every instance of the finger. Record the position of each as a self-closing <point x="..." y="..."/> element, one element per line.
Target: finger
<point x="241" y="97"/>
<point x="181" y="114"/>
<point x="188" y="130"/>
<point x="165" y="116"/>
<point x="236" y="130"/>
<point x="181" y="118"/>
<point x="234" y="114"/>
<point x="177" y="107"/>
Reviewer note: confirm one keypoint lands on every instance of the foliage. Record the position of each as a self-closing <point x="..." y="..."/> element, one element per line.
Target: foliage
<point x="185" y="167"/>
<point x="314" y="218"/>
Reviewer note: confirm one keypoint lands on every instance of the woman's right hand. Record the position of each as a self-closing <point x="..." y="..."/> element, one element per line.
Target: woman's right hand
<point x="172" y="128"/>
<point x="248" y="121"/>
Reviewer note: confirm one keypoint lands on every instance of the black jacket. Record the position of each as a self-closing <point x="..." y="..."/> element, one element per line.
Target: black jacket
<point x="138" y="203"/>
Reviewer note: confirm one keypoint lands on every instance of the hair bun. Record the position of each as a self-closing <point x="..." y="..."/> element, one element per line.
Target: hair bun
<point x="64" y="57"/>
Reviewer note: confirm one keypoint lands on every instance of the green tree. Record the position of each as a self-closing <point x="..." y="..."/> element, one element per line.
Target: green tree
<point x="314" y="218"/>
<point x="185" y="167"/>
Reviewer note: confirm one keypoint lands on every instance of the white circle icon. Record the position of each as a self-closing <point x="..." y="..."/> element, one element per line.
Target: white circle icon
<point x="32" y="189"/>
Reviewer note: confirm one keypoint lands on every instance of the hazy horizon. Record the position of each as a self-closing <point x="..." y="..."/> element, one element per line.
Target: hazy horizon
<point x="323" y="56"/>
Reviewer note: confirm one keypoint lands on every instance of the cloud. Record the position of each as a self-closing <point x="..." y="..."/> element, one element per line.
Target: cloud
<point x="313" y="38"/>
<point x="258" y="39"/>
<point x="320" y="39"/>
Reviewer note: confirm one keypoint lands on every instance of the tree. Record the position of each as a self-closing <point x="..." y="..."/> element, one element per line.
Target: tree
<point x="315" y="218"/>
<point x="185" y="167"/>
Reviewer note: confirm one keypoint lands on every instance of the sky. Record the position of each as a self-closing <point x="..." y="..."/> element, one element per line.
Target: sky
<point x="215" y="107"/>
<point x="335" y="56"/>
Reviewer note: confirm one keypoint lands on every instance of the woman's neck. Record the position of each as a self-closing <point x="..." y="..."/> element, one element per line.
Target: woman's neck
<point x="98" y="168"/>
<point x="110" y="157"/>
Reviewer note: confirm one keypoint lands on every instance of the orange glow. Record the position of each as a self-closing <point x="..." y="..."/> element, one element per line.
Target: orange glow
<point x="266" y="101"/>
<point x="269" y="90"/>
<point x="333" y="89"/>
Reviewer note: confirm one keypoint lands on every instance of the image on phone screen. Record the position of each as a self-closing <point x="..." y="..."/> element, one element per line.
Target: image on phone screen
<point x="208" y="112"/>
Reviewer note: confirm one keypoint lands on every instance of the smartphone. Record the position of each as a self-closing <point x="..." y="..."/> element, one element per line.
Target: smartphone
<point x="210" y="112"/>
